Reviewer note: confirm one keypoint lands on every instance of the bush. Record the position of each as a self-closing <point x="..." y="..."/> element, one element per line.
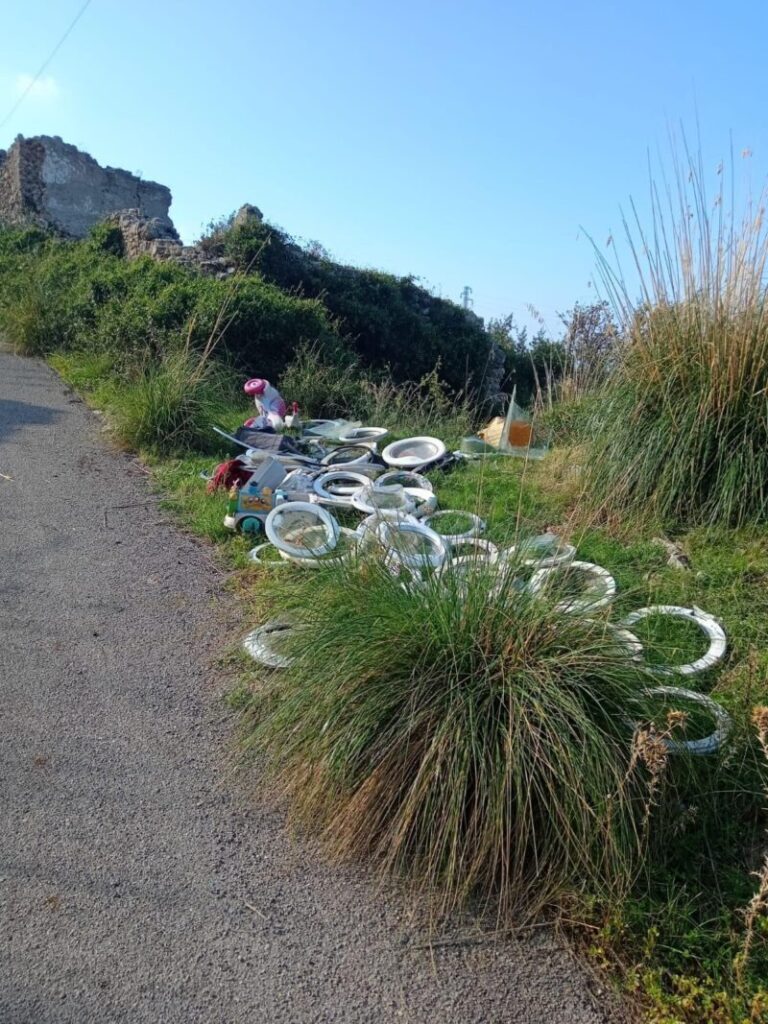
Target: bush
<point x="390" y="322"/>
<point x="80" y="296"/>
<point x="470" y="738"/>
<point x="683" y="432"/>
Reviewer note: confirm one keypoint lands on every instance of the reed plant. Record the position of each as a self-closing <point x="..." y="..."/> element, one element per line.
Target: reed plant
<point x="682" y="429"/>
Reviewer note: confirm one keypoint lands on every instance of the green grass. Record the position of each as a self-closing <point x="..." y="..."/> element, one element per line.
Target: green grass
<point x="681" y="431"/>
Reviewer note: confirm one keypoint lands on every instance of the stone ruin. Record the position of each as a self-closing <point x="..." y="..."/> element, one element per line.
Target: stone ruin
<point x="148" y="236"/>
<point x="47" y="183"/>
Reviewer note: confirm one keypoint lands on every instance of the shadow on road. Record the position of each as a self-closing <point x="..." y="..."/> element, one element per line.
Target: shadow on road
<point x="16" y="415"/>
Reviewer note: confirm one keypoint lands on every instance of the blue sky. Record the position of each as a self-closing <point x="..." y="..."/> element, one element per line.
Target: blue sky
<point x="463" y="143"/>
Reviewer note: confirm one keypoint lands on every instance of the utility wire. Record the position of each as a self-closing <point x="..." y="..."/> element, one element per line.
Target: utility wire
<point x="45" y="64"/>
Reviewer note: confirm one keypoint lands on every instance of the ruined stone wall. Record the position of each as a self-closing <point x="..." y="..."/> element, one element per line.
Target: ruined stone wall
<point x="149" y="236"/>
<point x="11" y="194"/>
<point x="48" y="182"/>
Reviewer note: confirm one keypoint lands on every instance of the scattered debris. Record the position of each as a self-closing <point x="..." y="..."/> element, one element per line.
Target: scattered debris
<point x="288" y="486"/>
<point x="677" y="557"/>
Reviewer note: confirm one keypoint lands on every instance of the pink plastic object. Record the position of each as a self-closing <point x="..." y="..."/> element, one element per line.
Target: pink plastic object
<point x="269" y="403"/>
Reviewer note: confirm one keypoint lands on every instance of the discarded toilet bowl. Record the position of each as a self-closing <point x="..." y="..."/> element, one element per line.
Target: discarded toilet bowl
<point x="544" y="552"/>
<point x="345" y="551"/>
<point x="708" y="624"/>
<point x="392" y="498"/>
<point x="599" y="592"/>
<point x="347" y="455"/>
<point x="474" y="525"/>
<point x="413" y="452"/>
<point x="364" y="435"/>
<point x="406" y="478"/>
<point x="474" y="547"/>
<point x="303" y="529"/>
<point x="412" y="544"/>
<point x="366" y="529"/>
<point x="260" y="644"/>
<point x="339" y="483"/>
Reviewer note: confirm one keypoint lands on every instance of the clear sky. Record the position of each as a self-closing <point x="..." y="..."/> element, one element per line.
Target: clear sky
<point x="463" y="143"/>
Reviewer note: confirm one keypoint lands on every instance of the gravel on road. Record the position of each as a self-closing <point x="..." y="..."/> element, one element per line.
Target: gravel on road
<point x="139" y="879"/>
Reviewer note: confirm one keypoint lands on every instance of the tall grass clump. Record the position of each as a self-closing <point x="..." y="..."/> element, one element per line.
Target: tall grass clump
<point x="171" y="402"/>
<point x="334" y="383"/>
<point x="460" y="734"/>
<point x="682" y="432"/>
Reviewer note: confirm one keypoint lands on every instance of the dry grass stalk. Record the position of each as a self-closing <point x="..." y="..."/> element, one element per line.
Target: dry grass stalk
<point x="758" y="905"/>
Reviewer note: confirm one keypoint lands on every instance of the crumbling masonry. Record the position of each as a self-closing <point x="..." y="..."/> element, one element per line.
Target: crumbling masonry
<point x="48" y="183"/>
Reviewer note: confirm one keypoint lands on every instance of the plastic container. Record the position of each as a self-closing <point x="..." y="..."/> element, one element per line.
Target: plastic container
<point x="520" y="434"/>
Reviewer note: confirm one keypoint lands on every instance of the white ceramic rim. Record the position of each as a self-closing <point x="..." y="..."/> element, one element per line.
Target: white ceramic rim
<point x="437" y="542"/>
<point x="253" y="554"/>
<point x="477" y="527"/>
<point x="320" y="486"/>
<point x="566" y="554"/>
<point x="708" y="624"/>
<point x="360" y="501"/>
<point x="707" y="744"/>
<point x="257" y="644"/>
<point x="391" y="457"/>
<point x="483" y="549"/>
<point x="364" y="435"/>
<point x="365" y="456"/>
<point x="416" y="479"/>
<point x="332" y="529"/>
<point x="333" y="558"/>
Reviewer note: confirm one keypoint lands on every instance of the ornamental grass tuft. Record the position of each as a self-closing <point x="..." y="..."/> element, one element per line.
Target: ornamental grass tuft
<point x="460" y="733"/>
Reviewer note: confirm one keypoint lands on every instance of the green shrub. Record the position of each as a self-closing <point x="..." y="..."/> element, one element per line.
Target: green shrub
<point x="682" y="432"/>
<point x="470" y="738"/>
<point x="80" y="296"/>
<point x="106" y="237"/>
<point x="390" y="322"/>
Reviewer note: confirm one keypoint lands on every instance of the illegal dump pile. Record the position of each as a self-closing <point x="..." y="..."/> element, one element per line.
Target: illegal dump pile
<point x="465" y="713"/>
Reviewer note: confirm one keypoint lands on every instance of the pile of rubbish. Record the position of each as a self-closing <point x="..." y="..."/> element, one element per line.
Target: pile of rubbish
<point x="323" y="463"/>
<point x="292" y="487"/>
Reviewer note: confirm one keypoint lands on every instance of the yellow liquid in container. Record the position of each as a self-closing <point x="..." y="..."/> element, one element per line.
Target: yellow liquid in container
<point x="520" y="434"/>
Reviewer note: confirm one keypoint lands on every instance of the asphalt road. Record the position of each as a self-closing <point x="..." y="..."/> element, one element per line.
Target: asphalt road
<point x="139" y="879"/>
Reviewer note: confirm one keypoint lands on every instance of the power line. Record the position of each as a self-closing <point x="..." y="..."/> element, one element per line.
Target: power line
<point x="45" y="64"/>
